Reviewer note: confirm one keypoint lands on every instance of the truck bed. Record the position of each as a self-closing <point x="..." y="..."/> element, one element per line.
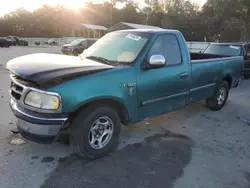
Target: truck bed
<point x="201" y="56"/>
<point x="207" y="69"/>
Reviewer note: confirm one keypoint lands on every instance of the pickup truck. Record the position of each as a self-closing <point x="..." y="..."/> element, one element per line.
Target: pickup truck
<point x="125" y="77"/>
<point x="233" y="49"/>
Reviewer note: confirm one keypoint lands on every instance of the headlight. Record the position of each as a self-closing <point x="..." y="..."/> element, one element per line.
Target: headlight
<point x="42" y="100"/>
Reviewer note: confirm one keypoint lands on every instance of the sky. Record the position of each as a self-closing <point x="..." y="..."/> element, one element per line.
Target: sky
<point x="11" y="5"/>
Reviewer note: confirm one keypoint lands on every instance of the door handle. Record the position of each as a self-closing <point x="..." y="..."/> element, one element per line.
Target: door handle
<point x="184" y="75"/>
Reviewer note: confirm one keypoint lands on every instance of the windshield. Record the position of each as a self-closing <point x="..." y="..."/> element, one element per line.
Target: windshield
<point x="118" y="48"/>
<point x="76" y="42"/>
<point x="228" y="50"/>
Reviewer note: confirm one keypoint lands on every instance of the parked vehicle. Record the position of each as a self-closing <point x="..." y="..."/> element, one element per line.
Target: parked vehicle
<point x="17" y="41"/>
<point x="52" y="42"/>
<point x="233" y="49"/>
<point x="37" y="43"/>
<point x="4" y="42"/>
<point x="125" y="77"/>
<point x="22" y="42"/>
<point x="8" y="41"/>
<point x="12" y="39"/>
<point x="77" y="46"/>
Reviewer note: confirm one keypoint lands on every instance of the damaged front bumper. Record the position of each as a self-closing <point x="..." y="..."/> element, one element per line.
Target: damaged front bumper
<point x="37" y="128"/>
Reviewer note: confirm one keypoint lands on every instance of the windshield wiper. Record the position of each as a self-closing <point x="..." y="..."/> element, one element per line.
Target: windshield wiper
<point x="101" y="59"/>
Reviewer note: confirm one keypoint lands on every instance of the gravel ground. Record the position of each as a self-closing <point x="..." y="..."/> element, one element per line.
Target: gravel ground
<point x="192" y="148"/>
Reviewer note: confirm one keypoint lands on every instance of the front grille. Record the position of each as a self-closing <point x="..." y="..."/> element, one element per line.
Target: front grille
<point x="16" y="91"/>
<point x="21" y="81"/>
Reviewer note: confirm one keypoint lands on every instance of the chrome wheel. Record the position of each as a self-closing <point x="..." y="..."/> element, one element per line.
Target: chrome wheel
<point x="100" y="133"/>
<point x="222" y="96"/>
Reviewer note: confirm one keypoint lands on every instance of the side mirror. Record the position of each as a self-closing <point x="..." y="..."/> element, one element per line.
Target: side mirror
<point x="156" y="61"/>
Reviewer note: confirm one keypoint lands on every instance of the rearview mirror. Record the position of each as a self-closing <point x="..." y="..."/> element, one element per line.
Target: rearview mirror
<point x="157" y="61"/>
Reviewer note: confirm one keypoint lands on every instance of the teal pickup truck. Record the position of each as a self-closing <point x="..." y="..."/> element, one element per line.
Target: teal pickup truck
<point x="125" y="77"/>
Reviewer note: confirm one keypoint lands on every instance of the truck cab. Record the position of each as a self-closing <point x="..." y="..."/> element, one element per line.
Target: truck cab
<point x="123" y="78"/>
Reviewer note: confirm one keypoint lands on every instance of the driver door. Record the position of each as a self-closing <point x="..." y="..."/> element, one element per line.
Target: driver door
<point x="164" y="89"/>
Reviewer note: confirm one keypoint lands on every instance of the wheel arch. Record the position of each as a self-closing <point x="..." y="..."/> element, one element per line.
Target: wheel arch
<point x="115" y="103"/>
<point x="228" y="78"/>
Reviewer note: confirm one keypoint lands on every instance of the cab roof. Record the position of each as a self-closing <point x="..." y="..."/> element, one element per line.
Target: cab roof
<point x="152" y="31"/>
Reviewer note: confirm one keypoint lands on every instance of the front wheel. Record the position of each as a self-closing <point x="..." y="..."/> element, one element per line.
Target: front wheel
<point x="94" y="132"/>
<point x="219" y="99"/>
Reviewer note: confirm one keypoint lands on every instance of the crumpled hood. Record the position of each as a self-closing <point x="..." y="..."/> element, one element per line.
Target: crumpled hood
<point x="43" y="68"/>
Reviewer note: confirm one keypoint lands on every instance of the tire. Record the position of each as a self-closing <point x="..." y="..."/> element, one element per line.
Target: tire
<point x="216" y="104"/>
<point x="81" y="135"/>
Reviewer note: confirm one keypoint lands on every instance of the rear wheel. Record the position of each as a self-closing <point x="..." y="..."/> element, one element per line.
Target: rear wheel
<point x="94" y="132"/>
<point x="219" y="99"/>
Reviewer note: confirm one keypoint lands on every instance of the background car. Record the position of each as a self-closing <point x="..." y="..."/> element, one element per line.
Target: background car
<point x="77" y="46"/>
<point x="22" y="42"/>
<point x="17" y="41"/>
<point x="12" y="39"/>
<point x="4" y="42"/>
<point x="52" y="42"/>
<point x="9" y="41"/>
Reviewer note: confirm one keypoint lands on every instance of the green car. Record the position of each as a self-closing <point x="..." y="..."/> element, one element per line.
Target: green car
<point x="123" y="78"/>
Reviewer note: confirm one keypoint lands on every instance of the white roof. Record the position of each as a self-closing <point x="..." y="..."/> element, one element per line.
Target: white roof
<point x="140" y="26"/>
<point x="94" y="27"/>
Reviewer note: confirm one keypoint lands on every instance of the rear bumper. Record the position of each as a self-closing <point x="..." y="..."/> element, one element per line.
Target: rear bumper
<point x="36" y="128"/>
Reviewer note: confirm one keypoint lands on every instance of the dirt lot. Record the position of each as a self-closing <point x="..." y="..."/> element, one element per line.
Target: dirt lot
<point x="190" y="148"/>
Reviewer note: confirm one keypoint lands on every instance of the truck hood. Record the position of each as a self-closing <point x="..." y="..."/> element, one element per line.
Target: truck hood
<point x="43" y="68"/>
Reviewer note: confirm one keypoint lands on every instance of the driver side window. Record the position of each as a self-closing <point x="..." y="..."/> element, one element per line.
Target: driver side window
<point x="168" y="47"/>
<point x="157" y="48"/>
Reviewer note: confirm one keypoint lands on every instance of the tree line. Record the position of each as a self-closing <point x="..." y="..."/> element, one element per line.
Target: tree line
<point x="216" y="20"/>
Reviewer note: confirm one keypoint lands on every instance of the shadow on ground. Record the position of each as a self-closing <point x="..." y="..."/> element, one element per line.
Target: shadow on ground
<point x="156" y="162"/>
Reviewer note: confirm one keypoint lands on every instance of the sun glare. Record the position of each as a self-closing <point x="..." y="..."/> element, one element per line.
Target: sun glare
<point x="31" y="5"/>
